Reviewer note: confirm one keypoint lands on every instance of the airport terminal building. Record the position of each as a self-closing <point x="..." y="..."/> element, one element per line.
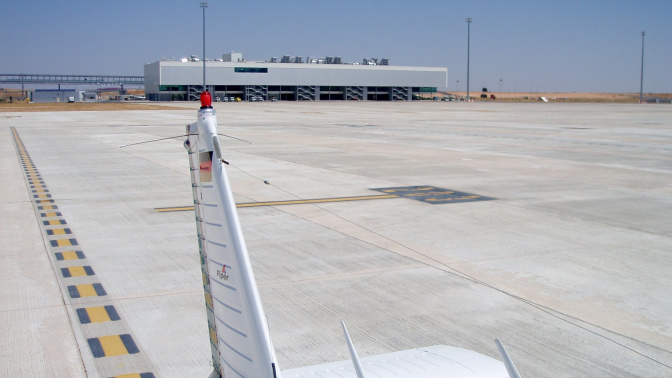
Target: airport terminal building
<point x="290" y="79"/>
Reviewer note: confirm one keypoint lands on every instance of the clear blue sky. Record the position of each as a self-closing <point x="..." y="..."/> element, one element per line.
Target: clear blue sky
<point x="568" y="45"/>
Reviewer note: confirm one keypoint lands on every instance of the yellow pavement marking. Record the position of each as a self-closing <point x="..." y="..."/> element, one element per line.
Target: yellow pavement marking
<point x="70" y="255"/>
<point x="104" y="346"/>
<point x="86" y="290"/>
<point x="407" y="189"/>
<point x="63" y="242"/>
<point x="76" y="271"/>
<point x="98" y="314"/>
<point x="167" y="209"/>
<point x="112" y="345"/>
<point x="290" y="202"/>
<point x="295" y="202"/>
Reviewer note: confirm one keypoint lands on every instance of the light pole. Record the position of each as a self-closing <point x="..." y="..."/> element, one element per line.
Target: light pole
<point x="204" y="5"/>
<point x="468" y="47"/>
<point x="641" y="78"/>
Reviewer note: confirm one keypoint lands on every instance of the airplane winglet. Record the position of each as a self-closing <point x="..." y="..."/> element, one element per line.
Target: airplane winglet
<point x="353" y="354"/>
<point x="508" y="362"/>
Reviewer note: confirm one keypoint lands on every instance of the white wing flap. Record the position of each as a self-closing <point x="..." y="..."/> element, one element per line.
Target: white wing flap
<point x="430" y="362"/>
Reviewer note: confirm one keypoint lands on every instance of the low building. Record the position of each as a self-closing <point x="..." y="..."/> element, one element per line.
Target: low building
<point x="56" y="95"/>
<point x="290" y="79"/>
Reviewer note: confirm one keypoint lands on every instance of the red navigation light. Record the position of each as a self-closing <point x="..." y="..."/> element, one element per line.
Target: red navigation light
<point x="206" y="100"/>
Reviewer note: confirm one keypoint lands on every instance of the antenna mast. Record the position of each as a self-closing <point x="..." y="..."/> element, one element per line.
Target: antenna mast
<point x="468" y="47"/>
<point x="204" y="5"/>
<point x="641" y="78"/>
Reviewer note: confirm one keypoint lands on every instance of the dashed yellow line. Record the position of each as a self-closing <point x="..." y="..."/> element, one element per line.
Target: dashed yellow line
<point x="101" y="346"/>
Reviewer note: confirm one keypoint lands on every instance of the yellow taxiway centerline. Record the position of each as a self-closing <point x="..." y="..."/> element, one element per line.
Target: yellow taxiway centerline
<point x="290" y="202"/>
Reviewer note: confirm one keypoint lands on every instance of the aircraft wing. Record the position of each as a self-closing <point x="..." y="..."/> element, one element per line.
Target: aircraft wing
<point x="430" y="362"/>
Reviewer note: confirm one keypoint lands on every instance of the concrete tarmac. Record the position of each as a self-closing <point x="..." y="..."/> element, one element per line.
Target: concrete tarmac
<point x="567" y="261"/>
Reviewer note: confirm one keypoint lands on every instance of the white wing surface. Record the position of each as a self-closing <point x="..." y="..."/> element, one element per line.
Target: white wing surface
<point x="430" y="362"/>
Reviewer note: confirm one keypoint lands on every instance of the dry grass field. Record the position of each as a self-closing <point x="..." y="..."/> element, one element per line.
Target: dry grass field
<point x="7" y="106"/>
<point x="20" y="106"/>
<point x="592" y="97"/>
<point x="576" y="97"/>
